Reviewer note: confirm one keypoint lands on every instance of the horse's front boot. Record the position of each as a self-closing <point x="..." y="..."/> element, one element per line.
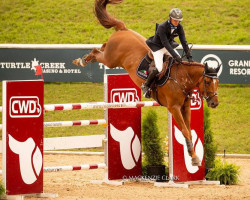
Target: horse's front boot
<point x="77" y="62"/>
<point x="189" y="146"/>
<point x="195" y="160"/>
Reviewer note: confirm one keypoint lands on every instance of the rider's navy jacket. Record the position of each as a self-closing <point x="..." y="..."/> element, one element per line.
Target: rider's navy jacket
<point x="164" y="38"/>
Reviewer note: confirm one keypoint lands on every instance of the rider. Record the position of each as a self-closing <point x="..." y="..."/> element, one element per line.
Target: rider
<point x="163" y="43"/>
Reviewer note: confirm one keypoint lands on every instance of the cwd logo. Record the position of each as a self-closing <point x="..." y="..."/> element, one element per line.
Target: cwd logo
<point x="196" y="100"/>
<point x="124" y="95"/>
<point x="30" y="158"/>
<point x="130" y="146"/>
<point x="24" y="107"/>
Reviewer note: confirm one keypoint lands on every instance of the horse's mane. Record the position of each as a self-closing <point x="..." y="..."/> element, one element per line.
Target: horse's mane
<point x="192" y="64"/>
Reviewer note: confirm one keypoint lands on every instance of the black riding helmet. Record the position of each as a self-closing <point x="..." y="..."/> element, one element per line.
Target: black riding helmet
<point x="176" y="14"/>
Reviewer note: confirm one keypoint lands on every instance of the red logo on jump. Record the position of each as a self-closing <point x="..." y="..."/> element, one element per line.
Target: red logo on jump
<point x="24" y="107"/>
<point x="196" y="100"/>
<point x="124" y="95"/>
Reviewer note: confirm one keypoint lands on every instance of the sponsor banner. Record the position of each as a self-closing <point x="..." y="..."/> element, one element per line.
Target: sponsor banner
<point x="56" y="63"/>
<point x="124" y="135"/>
<point x="23" y="136"/>
<point x="182" y="165"/>
<point x="235" y="65"/>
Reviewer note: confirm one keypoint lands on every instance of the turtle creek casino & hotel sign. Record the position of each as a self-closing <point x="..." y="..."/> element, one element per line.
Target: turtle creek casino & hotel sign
<point x="22" y="62"/>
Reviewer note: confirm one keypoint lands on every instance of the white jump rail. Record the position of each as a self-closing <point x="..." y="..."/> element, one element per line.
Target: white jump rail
<point x="72" y="168"/>
<point x="75" y="123"/>
<point x="96" y="105"/>
<point x="72" y="123"/>
<point x="83" y="106"/>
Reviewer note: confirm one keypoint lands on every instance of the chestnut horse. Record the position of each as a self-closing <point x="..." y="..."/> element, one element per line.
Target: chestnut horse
<point x="126" y="48"/>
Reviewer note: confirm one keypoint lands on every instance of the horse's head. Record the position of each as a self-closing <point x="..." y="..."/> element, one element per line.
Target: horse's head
<point x="209" y="84"/>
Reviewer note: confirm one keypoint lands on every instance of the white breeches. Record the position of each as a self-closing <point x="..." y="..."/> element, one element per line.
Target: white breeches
<point x="158" y="57"/>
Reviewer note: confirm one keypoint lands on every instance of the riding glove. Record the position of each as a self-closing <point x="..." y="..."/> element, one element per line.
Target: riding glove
<point x="190" y="59"/>
<point x="178" y="59"/>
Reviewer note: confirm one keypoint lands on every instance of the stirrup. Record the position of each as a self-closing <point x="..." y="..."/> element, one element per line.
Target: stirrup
<point x="144" y="88"/>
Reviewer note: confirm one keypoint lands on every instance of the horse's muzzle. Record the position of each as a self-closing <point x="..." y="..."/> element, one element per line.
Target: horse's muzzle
<point x="212" y="103"/>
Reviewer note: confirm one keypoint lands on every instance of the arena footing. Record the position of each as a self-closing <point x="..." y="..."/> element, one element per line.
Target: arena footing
<point x="170" y="184"/>
<point x="109" y="182"/>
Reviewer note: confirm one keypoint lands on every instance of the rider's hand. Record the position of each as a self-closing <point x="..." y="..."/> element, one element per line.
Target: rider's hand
<point x="190" y="59"/>
<point x="178" y="59"/>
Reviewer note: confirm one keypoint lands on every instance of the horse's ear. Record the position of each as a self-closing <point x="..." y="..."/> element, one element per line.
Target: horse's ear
<point x="206" y="67"/>
<point x="218" y="68"/>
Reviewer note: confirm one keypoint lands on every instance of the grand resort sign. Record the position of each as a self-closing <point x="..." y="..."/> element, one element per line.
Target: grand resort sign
<point x="54" y="62"/>
<point x="239" y="67"/>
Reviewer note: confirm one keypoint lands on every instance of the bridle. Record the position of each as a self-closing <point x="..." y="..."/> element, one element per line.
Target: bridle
<point x="208" y="97"/>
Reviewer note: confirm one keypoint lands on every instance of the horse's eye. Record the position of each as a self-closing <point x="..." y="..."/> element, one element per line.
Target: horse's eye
<point x="207" y="83"/>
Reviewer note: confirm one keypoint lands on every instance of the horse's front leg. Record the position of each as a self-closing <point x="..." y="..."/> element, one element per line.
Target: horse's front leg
<point x="186" y="113"/>
<point x="177" y="112"/>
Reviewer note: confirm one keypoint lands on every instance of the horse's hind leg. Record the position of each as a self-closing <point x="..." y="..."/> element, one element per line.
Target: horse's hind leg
<point x="94" y="56"/>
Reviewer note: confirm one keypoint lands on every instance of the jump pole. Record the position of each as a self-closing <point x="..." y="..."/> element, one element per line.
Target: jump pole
<point x="96" y="105"/>
<point x="72" y="168"/>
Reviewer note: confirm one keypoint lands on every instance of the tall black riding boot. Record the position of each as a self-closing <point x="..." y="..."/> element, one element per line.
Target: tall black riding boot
<point x="146" y="86"/>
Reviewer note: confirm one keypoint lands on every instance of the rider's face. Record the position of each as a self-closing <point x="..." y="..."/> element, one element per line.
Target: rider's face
<point x="174" y="22"/>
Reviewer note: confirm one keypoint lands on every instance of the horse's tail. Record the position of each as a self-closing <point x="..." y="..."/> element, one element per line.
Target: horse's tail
<point x="104" y="18"/>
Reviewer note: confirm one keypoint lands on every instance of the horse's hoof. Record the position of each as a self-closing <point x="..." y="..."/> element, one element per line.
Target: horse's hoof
<point x="78" y="62"/>
<point x="196" y="161"/>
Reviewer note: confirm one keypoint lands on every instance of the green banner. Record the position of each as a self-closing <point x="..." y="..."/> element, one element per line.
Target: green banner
<point x="19" y="62"/>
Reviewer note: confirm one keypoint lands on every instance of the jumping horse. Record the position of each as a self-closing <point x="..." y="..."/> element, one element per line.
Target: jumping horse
<point x="126" y="48"/>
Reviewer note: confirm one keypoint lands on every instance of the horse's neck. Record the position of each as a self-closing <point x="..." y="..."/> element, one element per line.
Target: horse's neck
<point x="190" y="75"/>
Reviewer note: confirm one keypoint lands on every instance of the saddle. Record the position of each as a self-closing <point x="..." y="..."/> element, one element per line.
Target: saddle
<point x="147" y="64"/>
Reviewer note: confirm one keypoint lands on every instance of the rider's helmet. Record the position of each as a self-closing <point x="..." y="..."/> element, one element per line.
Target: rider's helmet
<point x="176" y="14"/>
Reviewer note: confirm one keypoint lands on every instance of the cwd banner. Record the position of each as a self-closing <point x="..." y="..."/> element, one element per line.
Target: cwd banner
<point x="23" y="136"/>
<point x="124" y="134"/>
